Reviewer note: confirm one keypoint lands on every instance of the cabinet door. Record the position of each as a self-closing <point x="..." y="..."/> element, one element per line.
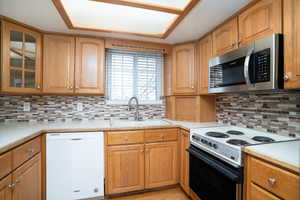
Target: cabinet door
<point x="28" y="180"/>
<point x="257" y="193"/>
<point x="58" y="70"/>
<point x="161" y="162"/>
<point x="21" y="60"/>
<point x="125" y="168"/>
<point x="184" y="71"/>
<point x="5" y="190"/>
<point x="184" y="160"/>
<point x="261" y="19"/>
<point x="89" y="67"/>
<point x="168" y="75"/>
<point x="292" y="43"/>
<point x="204" y="54"/>
<point x="225" y="37"/>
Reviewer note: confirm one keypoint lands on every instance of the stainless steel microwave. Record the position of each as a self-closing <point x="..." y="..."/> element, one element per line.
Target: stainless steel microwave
<point x="255" y="67"/>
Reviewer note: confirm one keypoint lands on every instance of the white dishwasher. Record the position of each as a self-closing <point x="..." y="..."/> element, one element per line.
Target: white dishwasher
<point x="74" y="165"/>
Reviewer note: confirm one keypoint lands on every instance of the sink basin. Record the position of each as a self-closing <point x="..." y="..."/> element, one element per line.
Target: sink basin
<point x="132" y="123"/>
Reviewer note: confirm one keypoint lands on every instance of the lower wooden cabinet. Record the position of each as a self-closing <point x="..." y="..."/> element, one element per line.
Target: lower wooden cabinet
<point x="161" y="164"/>
<point x="257" y="193"/>
<point x="5" y="190"/>
<point x="184" y="161"/>
<point x="125" y="168"/>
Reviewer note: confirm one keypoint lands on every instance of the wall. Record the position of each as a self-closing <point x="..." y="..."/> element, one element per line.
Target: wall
<point x="276" y="113"/>
<point x="63" y="108"/>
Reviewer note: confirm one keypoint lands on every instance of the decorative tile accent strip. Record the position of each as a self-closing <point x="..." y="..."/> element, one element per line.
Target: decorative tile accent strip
<point x="64" y="108"/>
<point x="274" y="113"/>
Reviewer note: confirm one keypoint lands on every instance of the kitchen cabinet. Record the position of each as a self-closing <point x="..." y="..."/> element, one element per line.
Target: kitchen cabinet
<point x="27" y="180"/>
<point x="21" y="70"/>
<point x="169" y="101"/>
<point x="183" y="69"/>
<point x="184" y="160"/>
<point x="161" y="164"/>
<point x="265" y="180"/>
<point x="259" y="20"/>
<point x="89" y="66"/>
<point x="168" y="75"/>
<point x="291" y="31"/>
<point x="225" y="37"/>
<point x="58" y="73"/>
<point x="125" y="168"/>
<point x="204" y="52"/>
<point x="5" y="188"/>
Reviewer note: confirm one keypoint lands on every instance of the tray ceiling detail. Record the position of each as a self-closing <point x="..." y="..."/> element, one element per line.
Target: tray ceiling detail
<point x="150" y="18"/>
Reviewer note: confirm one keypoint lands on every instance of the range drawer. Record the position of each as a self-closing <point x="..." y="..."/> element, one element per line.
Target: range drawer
<point x="278" y="181"/>
<point x="159" y="135"/>
<point x="5" y="164"/>
<point x="125" y="137"/>
<point x="257" y="193"/>
<point x="25" y="152"/>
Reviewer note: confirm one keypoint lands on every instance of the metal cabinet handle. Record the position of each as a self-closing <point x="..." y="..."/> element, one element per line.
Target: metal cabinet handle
<point x="286" y="77"/>
<point x="232" y="44"/>
<point x="12" y="186"/>
<point x="31" y="150"/>
<point x="271" y="181"/>
<point x="239" y="41"/>
<point x="38" y="86"/>
<point x="18" y="180"/>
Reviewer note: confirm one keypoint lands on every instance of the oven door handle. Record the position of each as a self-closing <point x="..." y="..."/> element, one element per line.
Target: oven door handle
<point x="246" y="66"/>
<point x="220" y="167"/>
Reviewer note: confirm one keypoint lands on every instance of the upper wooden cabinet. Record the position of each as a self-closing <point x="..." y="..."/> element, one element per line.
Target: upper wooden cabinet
<point x="225" y="37"/>
<point x="58" y="73"/>
<point x="21" y="70"/>
<point x="261" y="19"/>
<point x="161" y="164"/>
<point x="168" y="75"/>
<point x="204" y="52"/>
<point x="184" y="70"/>
<point x="89" y="67"/>
<point x="291" y="31"/>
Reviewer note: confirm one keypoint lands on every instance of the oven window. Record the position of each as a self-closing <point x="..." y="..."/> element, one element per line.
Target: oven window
<point x="233" y="73"/>
<point x="208" y="183"/>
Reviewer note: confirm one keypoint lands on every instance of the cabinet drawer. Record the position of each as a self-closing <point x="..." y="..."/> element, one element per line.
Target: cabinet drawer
<point x="125" y="137"/>
<point x="278" y="181"/>
<point x="257" y="193"/>
<point x="159" y="135"/>
<point x="5" y="164"/>
<point x="26" y="151"/>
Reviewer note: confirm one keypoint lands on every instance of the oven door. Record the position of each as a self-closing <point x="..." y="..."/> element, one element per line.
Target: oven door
<point x="211" y="178"/>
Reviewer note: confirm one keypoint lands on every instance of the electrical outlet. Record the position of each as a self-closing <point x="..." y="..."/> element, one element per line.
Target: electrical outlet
<point x="26" y="107"/>
<point x="79" y="107"/>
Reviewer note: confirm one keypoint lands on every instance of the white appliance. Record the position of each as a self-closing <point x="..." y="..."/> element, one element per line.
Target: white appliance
<point x="226" y="142"/>
<point x="74" y="165"/>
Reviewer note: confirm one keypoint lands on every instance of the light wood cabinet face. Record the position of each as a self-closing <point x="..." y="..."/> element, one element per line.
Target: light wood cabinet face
<point x="184" y="160"/>
<point x="260" y="20"/>
<point x="89" y="68"/>
<point x="184" y="71"/>
<point x="187" y="108"/>
<point x="225" y="37"/>
<point x="58" y="73"/>
<point x="125" y="168"/>
<point x="21" y="70"/>
<point x="161" y="167"/>
<point x="28" y="180"/>
<point x="291" y="29"/>
<point x="257" y="193"/>
<point x="5" y="191"/>
<point x="168" y="75"/>
<point x="204" y="54"/>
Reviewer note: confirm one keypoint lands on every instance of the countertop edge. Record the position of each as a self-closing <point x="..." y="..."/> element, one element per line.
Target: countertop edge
<point x="280" y="163"/>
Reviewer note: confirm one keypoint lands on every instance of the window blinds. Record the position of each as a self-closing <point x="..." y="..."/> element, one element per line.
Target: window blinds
<point x="131" y="73"/>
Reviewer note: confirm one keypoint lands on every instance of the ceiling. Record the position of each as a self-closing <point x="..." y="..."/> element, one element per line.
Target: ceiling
<point x="206" y="15"/>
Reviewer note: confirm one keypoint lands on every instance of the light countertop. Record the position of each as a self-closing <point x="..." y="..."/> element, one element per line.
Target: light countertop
<point x="14" y="134"/>
<point x="285" y="154"/>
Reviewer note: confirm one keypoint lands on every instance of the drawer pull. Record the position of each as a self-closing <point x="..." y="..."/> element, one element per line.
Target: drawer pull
<point x="12" y="186"/>
<point x="18" y="180"/>
<point x="31" y="150"/>
<point x="271" y="181"/>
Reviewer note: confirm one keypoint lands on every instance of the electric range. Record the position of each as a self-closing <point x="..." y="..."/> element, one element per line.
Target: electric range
<point x="227" y="142"/>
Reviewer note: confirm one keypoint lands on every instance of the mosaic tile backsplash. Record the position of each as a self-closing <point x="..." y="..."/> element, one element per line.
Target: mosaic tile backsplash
<point x="64" y="108"/>
<point x="275" y="113"/>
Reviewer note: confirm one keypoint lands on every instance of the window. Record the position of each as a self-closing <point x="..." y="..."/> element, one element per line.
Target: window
<point x="131" y="73"/>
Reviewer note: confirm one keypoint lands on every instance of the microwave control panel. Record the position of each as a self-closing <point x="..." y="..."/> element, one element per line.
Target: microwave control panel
<point x="262" y="66"/>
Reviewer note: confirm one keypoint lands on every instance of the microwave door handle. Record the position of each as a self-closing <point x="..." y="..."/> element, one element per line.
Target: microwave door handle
<point x="246" y="66"/>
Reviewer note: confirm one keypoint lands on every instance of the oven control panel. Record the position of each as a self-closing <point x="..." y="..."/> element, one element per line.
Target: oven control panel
<point x="223" y="151"/>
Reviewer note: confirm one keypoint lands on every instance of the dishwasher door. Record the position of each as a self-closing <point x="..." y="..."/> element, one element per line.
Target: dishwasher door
<point x="74" y="165"/>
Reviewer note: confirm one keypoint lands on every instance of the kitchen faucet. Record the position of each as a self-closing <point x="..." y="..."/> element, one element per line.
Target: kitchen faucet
<point x="130" y="107"/>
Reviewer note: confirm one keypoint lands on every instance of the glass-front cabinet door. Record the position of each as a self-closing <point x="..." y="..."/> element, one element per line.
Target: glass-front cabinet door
<point x="21" y="59"/>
